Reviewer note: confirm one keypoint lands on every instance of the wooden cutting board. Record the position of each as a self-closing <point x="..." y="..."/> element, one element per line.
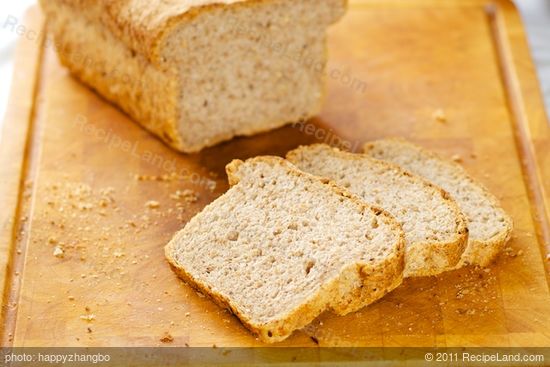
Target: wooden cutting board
<point x="89" y="198"/>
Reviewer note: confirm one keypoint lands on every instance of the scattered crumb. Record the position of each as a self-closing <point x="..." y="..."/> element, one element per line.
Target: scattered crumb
<point x="152" y="204"/>
<point x="457" y="158"/>
<point x="58" y="252"/>
<point x="187" y="195"/>
<point x="439" y="116"/>
<point x="89" y="330"/>
<point x="167" y="338"/>
<point x="88" y="317"/>
<point x="511" y="253"/>
<point x="107" y="191"/>
<point x="187" y="314"/>
<point x="71" y="298"/>
<point x="85" y="206"/>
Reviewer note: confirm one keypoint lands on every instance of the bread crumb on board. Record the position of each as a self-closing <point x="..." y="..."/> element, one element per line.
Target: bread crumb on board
<point x="187" y="195"/>
<point x="439" y="116"/>
<point x="152" y="204"/>
<point x="167" y="338"/>
<point x="88" y="317"/>
<point x="163" y="178"/>
<point x="58" y="252"/>
<point x="509" y="251"/>
<point x="456" y="158"/>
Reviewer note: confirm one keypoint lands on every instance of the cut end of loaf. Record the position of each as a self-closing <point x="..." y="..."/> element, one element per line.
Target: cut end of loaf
<point x="201" y="72"/>
<point x="249" y="67"/>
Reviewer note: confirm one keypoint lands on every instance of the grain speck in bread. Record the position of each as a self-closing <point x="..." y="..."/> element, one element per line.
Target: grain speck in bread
<point x="435" y="229"/>
<point x="490" y="226"/>
<point x="282" y="246"/>
<point x="198" y="72"/>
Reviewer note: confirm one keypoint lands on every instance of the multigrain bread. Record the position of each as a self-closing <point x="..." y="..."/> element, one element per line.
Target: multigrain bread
<point x="490" y="226"/>
<point x="435" y="229"/>
<point x="281" y="246"/>
<point x="198" y="72"/>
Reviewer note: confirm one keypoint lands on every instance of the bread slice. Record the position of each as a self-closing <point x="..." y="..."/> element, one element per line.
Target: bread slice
<point x="490" y="226"/>
<point x="199" y="72"/>
<point x="435" y="229"/>
<point x="281" y="246"/>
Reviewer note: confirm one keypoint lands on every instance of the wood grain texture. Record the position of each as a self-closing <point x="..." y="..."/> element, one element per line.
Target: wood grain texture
<point x="393" y="64"/>
<point x="15" y="165"/>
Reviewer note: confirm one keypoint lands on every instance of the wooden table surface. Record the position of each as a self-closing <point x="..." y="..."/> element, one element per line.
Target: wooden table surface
<point x="82" y="250"/>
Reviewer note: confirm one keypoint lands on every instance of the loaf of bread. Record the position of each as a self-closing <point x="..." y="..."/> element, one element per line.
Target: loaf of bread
<point x="282" y="246"/>
<point x="435" y="229"/>
<point x="198" y="72"/>
<point x="490" y="226"/>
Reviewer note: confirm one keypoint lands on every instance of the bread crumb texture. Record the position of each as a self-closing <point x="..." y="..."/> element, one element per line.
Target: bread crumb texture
<point x="489" y="225"/>
<point x="196" y="73"/>
<point x="435" y="229"/>
<point x="286" y="246"/>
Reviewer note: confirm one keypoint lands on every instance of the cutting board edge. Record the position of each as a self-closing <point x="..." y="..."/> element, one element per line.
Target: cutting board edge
<point x="14" y="152"/>
<point x="531" y="121"/>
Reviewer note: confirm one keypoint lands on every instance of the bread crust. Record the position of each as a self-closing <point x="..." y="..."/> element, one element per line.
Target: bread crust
<point x="477" y="252"/>
<point x="136" y="31"/>
<point x="427" y="257"/>
<point x="385" y="275"/>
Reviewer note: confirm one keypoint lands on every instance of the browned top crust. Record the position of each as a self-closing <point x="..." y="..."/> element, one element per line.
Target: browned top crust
<point x="142" y="24"/>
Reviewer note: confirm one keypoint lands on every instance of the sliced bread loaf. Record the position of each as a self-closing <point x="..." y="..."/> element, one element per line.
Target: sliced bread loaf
<point x="490" y="226"/>
<point x="197" y="72"/>
<point x="435" y="229"/>
<point x="282" y="246"/>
